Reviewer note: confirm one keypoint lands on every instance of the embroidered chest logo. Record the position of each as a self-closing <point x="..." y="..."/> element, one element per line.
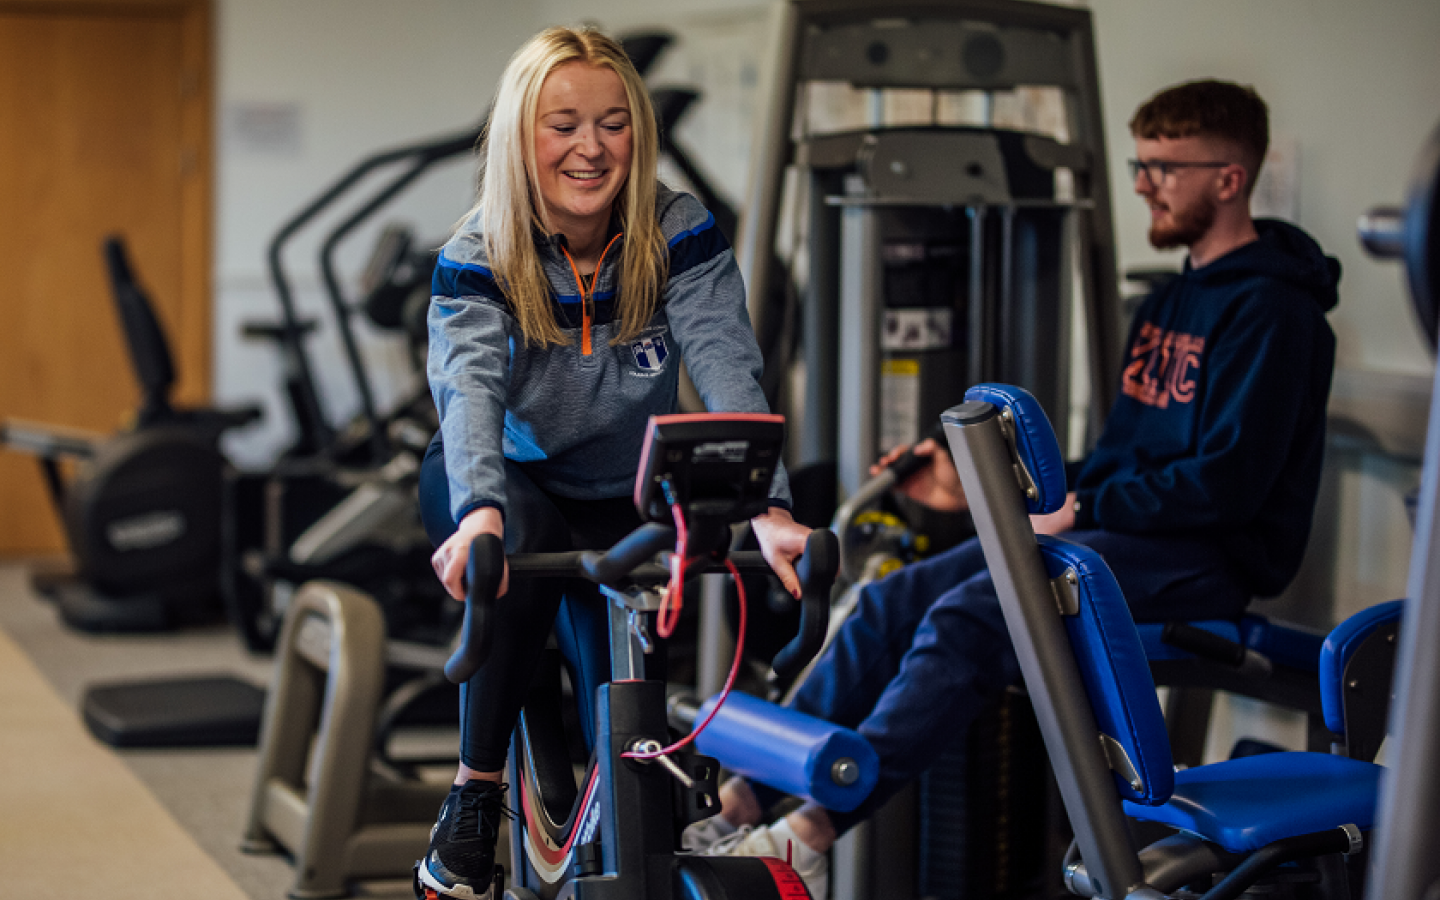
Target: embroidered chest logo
<point x="1162" y="367"/>
<point x="650" y="352"/>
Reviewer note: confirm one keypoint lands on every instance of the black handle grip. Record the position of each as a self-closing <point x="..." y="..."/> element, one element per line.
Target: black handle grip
<point x="636" y="548"/>
<point x="1202" y="643"/>
<point x="908" y="463"/>
<point x="483" y="572"/>
<point x="817" y="570"/>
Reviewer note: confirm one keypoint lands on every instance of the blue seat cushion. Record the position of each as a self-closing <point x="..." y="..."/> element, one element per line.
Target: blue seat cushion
<point x="1244" y="804"/>
<point x="1288" y="645"/>
<point x="1342" y="642"/>
<point x="1034" y="441"/>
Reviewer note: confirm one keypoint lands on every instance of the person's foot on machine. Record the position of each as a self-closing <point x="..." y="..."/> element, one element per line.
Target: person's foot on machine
<point x="778" y="841"/>
<point x="701" y="836"/>
<point x="461" y="858"/>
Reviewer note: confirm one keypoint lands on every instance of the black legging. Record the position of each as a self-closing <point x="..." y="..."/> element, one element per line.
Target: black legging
<point x="536" y="521"/>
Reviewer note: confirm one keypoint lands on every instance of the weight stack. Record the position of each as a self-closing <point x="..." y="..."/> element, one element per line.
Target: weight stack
<point x="991" y="825"/>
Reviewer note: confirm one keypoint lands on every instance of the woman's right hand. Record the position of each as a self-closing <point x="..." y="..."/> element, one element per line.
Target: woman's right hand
<point x="936" y="484"/>
<point x="450" y="559"/>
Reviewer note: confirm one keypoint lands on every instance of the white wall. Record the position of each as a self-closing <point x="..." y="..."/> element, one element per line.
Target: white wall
<point x="338" y="80"/>
<point x="1352" y="84"/>
<point x="355" y="77"/>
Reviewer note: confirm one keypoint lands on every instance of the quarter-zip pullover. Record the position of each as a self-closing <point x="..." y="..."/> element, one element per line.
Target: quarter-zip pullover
<point x="576" y="414"/>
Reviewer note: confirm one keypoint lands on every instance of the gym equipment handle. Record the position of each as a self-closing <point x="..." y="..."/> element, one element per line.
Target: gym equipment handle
<point x="483" y="573"/>
<point x="629" y="560"/>
<point x="817" y="570"/>
<point x="1211" y="646"/>
<point x="908" y="463"/>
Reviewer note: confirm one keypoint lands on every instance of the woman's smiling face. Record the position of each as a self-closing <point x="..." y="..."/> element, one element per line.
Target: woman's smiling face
<point x="583" y="144"/>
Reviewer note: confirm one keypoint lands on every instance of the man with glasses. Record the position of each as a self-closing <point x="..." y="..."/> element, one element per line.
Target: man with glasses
<point x="1199" y="492"/>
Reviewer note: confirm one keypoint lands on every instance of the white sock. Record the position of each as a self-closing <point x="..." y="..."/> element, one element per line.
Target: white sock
<point x="722" y="826"/>
<point x="802" y="857"/>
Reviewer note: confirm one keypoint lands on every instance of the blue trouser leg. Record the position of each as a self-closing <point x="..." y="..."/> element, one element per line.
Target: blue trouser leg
<point x="927" y="648"/>
<point x="535" y="522"/>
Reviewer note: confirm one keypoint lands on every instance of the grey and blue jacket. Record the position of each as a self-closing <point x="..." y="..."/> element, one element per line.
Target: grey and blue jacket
<point x="576" y="420"/>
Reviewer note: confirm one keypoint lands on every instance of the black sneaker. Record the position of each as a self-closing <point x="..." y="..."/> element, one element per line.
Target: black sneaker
<point x="461" y="858"/>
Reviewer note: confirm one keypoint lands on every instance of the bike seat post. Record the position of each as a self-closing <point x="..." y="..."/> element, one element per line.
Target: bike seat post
<point x="629" y="637"/>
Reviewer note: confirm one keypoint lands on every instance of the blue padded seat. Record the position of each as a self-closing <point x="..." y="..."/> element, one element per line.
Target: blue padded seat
<point x="1339" y="646"/>
<point x="1241" y="804"/>
<point x="1244" y="804"/>
<point x="1034" y="440"/>
<point x="1288" y="645"/>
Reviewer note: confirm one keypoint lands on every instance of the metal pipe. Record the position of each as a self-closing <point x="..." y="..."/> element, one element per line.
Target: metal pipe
<point x="1382" y="232"/>
<point x="769" y="155"/>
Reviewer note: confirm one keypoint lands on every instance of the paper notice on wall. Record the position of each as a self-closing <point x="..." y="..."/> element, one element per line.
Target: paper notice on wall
<point x="263" y="129"/>
<point x="899" y="402"/>
<point x="1277" y="190"/>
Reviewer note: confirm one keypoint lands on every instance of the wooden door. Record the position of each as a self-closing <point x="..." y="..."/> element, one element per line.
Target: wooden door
<point x="104" y="128"/>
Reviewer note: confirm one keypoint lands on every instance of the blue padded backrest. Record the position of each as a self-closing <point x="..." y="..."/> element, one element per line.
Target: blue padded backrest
<point x="1344" y="639"/>
<point x="1034" y="440"/>
<point x="1114" y="668"/>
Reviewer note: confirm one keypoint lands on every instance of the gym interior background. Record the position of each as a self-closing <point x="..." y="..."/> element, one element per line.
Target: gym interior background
<point x="296" y="91"/>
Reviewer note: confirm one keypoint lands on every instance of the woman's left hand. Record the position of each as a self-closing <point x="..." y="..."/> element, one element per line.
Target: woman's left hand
<point x="782" y="541"/>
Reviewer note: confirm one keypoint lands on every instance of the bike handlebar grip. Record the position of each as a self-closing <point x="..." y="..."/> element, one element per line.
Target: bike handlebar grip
<point x="483" y="573"/>
<point x="636" y="548"/>
<point x="817" y="570"/>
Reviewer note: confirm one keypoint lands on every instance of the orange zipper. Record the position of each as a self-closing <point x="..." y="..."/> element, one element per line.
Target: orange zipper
<point x="587" y="300"/>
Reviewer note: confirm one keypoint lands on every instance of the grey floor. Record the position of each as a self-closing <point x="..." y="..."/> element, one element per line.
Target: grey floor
<point x="206" y="791"/>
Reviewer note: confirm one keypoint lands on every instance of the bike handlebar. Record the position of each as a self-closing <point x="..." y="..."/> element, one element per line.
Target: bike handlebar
<point x="631" y="560"/>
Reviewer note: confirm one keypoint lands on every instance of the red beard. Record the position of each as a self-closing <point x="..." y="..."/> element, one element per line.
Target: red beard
<point x="1185" y="227"/>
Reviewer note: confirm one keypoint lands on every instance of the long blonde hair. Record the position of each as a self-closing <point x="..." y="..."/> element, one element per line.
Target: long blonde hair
<point x="511" y="206"/>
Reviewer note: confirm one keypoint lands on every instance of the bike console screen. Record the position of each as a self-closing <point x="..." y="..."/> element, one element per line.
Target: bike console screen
<point x="713" y="465"/>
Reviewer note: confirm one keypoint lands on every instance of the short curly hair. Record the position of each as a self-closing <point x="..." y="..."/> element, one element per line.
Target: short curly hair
<point x="1209" y="108"/>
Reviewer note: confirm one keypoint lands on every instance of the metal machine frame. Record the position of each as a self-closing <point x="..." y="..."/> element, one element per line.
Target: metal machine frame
<point x="984" y="45"/>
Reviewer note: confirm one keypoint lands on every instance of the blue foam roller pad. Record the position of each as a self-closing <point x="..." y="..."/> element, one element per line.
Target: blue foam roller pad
<point x="789" y="751"/>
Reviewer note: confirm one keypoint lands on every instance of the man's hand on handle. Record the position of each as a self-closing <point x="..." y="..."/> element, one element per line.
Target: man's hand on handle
<point x="936" y="485"/>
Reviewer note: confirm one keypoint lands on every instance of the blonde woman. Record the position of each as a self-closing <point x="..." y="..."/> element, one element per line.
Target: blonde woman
<point x="561" y="309"/>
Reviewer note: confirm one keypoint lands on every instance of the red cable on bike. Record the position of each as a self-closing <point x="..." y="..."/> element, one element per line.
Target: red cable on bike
<point x="669" y="613"/>
<point x="729" y="679"/>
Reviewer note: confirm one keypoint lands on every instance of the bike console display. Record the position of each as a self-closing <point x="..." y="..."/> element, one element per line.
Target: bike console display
<point x="716" y="465"/>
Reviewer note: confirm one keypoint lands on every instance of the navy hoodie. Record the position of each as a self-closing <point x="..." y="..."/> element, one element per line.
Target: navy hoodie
<point x="1218" y="432"/>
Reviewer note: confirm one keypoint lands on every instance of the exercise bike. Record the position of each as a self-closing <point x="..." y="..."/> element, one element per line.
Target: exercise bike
<point x="616" y="833"/>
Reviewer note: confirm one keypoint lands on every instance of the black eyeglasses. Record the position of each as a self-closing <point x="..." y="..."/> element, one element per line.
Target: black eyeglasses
<point x="1156" y="170"/>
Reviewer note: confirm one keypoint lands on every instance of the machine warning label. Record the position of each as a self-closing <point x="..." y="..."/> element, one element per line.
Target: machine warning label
<point x="899" y="402"/>
<point x="918" y="329"/>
